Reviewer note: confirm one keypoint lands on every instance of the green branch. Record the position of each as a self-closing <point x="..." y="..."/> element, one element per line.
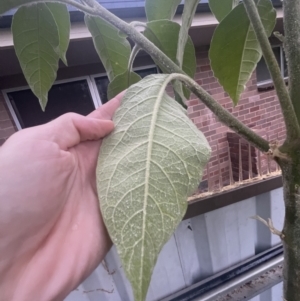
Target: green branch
<point x="291" y="123"/>
<point x="292" y="47"/>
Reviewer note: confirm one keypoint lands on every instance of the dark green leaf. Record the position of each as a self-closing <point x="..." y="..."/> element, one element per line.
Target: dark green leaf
<point x="112" y="48"/>
<point x="221" y="8"/>
<point x="121" y="83"/>
<point x="61" y="17"/>
<point x="235" y="51"/>
<point x="164" y="34"/>
<point x="161" y="9"/>
<point x="36" y="42"/>
<point x="6" y="5"/>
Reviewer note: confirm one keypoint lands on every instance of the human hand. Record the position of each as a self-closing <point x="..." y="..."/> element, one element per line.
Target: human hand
<point x="52" y="234"/>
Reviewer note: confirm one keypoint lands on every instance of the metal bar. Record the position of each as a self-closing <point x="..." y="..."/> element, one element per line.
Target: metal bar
<point x="249" y="285"/>
<point x="250" y="162"/>
<point x="256" y="275"/>
<point x="240" y="162"/>
<point x="230" y="166"/>
<point x="219" y="166"/>
<point x="268" y="159"/>
<point x="259" y="163"/>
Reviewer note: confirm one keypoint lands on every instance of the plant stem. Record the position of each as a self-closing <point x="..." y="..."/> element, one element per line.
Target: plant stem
<point x="292" y="47"/>
<point x="95" y="9"/>
<point x="135" y="50"/>
<point x="223" y="115"/>
<point x="291" y="123"/>
<point x="291" y="230"/>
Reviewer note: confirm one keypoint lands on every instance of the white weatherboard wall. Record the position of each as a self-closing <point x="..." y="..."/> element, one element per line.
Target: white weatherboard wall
<point x="200" y="247"/>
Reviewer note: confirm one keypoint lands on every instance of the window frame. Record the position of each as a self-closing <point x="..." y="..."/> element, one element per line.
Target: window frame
<point x="93" y="92"/>
<point x="90" y="81"/>
<point x="269" y="83"/>
<point x="94" y="76"/>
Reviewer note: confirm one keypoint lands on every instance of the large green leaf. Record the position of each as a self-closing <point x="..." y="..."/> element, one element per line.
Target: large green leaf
<point x="235" y="51"/>
<point x="164" y="34"/>
<point x="160" y="10"/>
<point x="222" y="8"/>
<point x="112" y="48"/>
<point x="61" y="17"/>
<point x="36" y="41"/>
<point x="146" y="169"/>
<point x="121" y="83"/>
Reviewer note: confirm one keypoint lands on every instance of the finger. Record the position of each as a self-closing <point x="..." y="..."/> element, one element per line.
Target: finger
<point x="107" y="110"/>
<point x="70" y="129"/>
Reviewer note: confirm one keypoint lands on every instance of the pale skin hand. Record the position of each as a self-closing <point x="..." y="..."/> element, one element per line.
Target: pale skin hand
<point x="51" y="231"/>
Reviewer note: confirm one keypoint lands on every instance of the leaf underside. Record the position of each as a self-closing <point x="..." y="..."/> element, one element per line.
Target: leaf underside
<point x="160" y="10"/>
<point x="121" y="83"/>
<point x="235" y="51"/>
<point x="112" y="48"/>
<point x="164" y="34"/>
<point x="146" y="169"/>
<point x="36" y="42"/>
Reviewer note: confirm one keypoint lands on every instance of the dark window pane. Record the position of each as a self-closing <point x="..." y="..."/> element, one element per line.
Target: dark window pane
<point x="103" y="82"/>
<point x="144" y="72"/>
<point x="262" y="72"/>
<point x="63" y="98"/>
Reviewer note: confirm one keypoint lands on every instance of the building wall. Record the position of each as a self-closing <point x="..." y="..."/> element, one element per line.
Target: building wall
<point x="200" y="247"/>
<point x="258" y="109"/>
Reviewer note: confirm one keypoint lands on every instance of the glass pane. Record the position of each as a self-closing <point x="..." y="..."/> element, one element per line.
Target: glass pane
<point x="144" y="72"/>
<point x="103" y="82"/>
<point x="262" y="72"/>
<point x="63" y="98"/>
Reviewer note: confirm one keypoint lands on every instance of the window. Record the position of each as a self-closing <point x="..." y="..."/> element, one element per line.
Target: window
<point x="102" y="81"/>
<point x="81" y="95"/>
<point x="262" y="73"/>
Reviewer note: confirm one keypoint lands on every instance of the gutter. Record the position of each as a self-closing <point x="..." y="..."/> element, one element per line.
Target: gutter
<point x="243" y="281"/>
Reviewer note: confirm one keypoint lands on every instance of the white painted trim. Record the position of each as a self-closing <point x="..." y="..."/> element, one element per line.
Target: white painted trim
<point x="93" y="77"/>
<point x="11" y="109"/>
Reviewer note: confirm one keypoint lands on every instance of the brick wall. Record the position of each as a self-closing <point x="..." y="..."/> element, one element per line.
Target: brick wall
<point x="258" y="110"/>
<point x="7" y="126"/>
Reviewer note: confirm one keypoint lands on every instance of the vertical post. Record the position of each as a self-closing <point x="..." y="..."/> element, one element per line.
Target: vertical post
<point x="219" y="165"/>
<point x="250" y="161"/>
<point x="240" y="162"/>
<point x="230" y="166"/>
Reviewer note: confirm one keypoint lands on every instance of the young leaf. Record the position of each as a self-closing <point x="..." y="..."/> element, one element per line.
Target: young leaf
<point x="61" y="17"/>
<point x="187" y="18"/>
<point x="222" y="8"/>
<point x="36" y="41"/>
<point x="146" y="169"/>
<point x="112" y="48"/>
<point x="121" y="83"/>
<point x="235" y="51"/>
<point x="160" y="10"/>
<point x="164" y="34"/>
